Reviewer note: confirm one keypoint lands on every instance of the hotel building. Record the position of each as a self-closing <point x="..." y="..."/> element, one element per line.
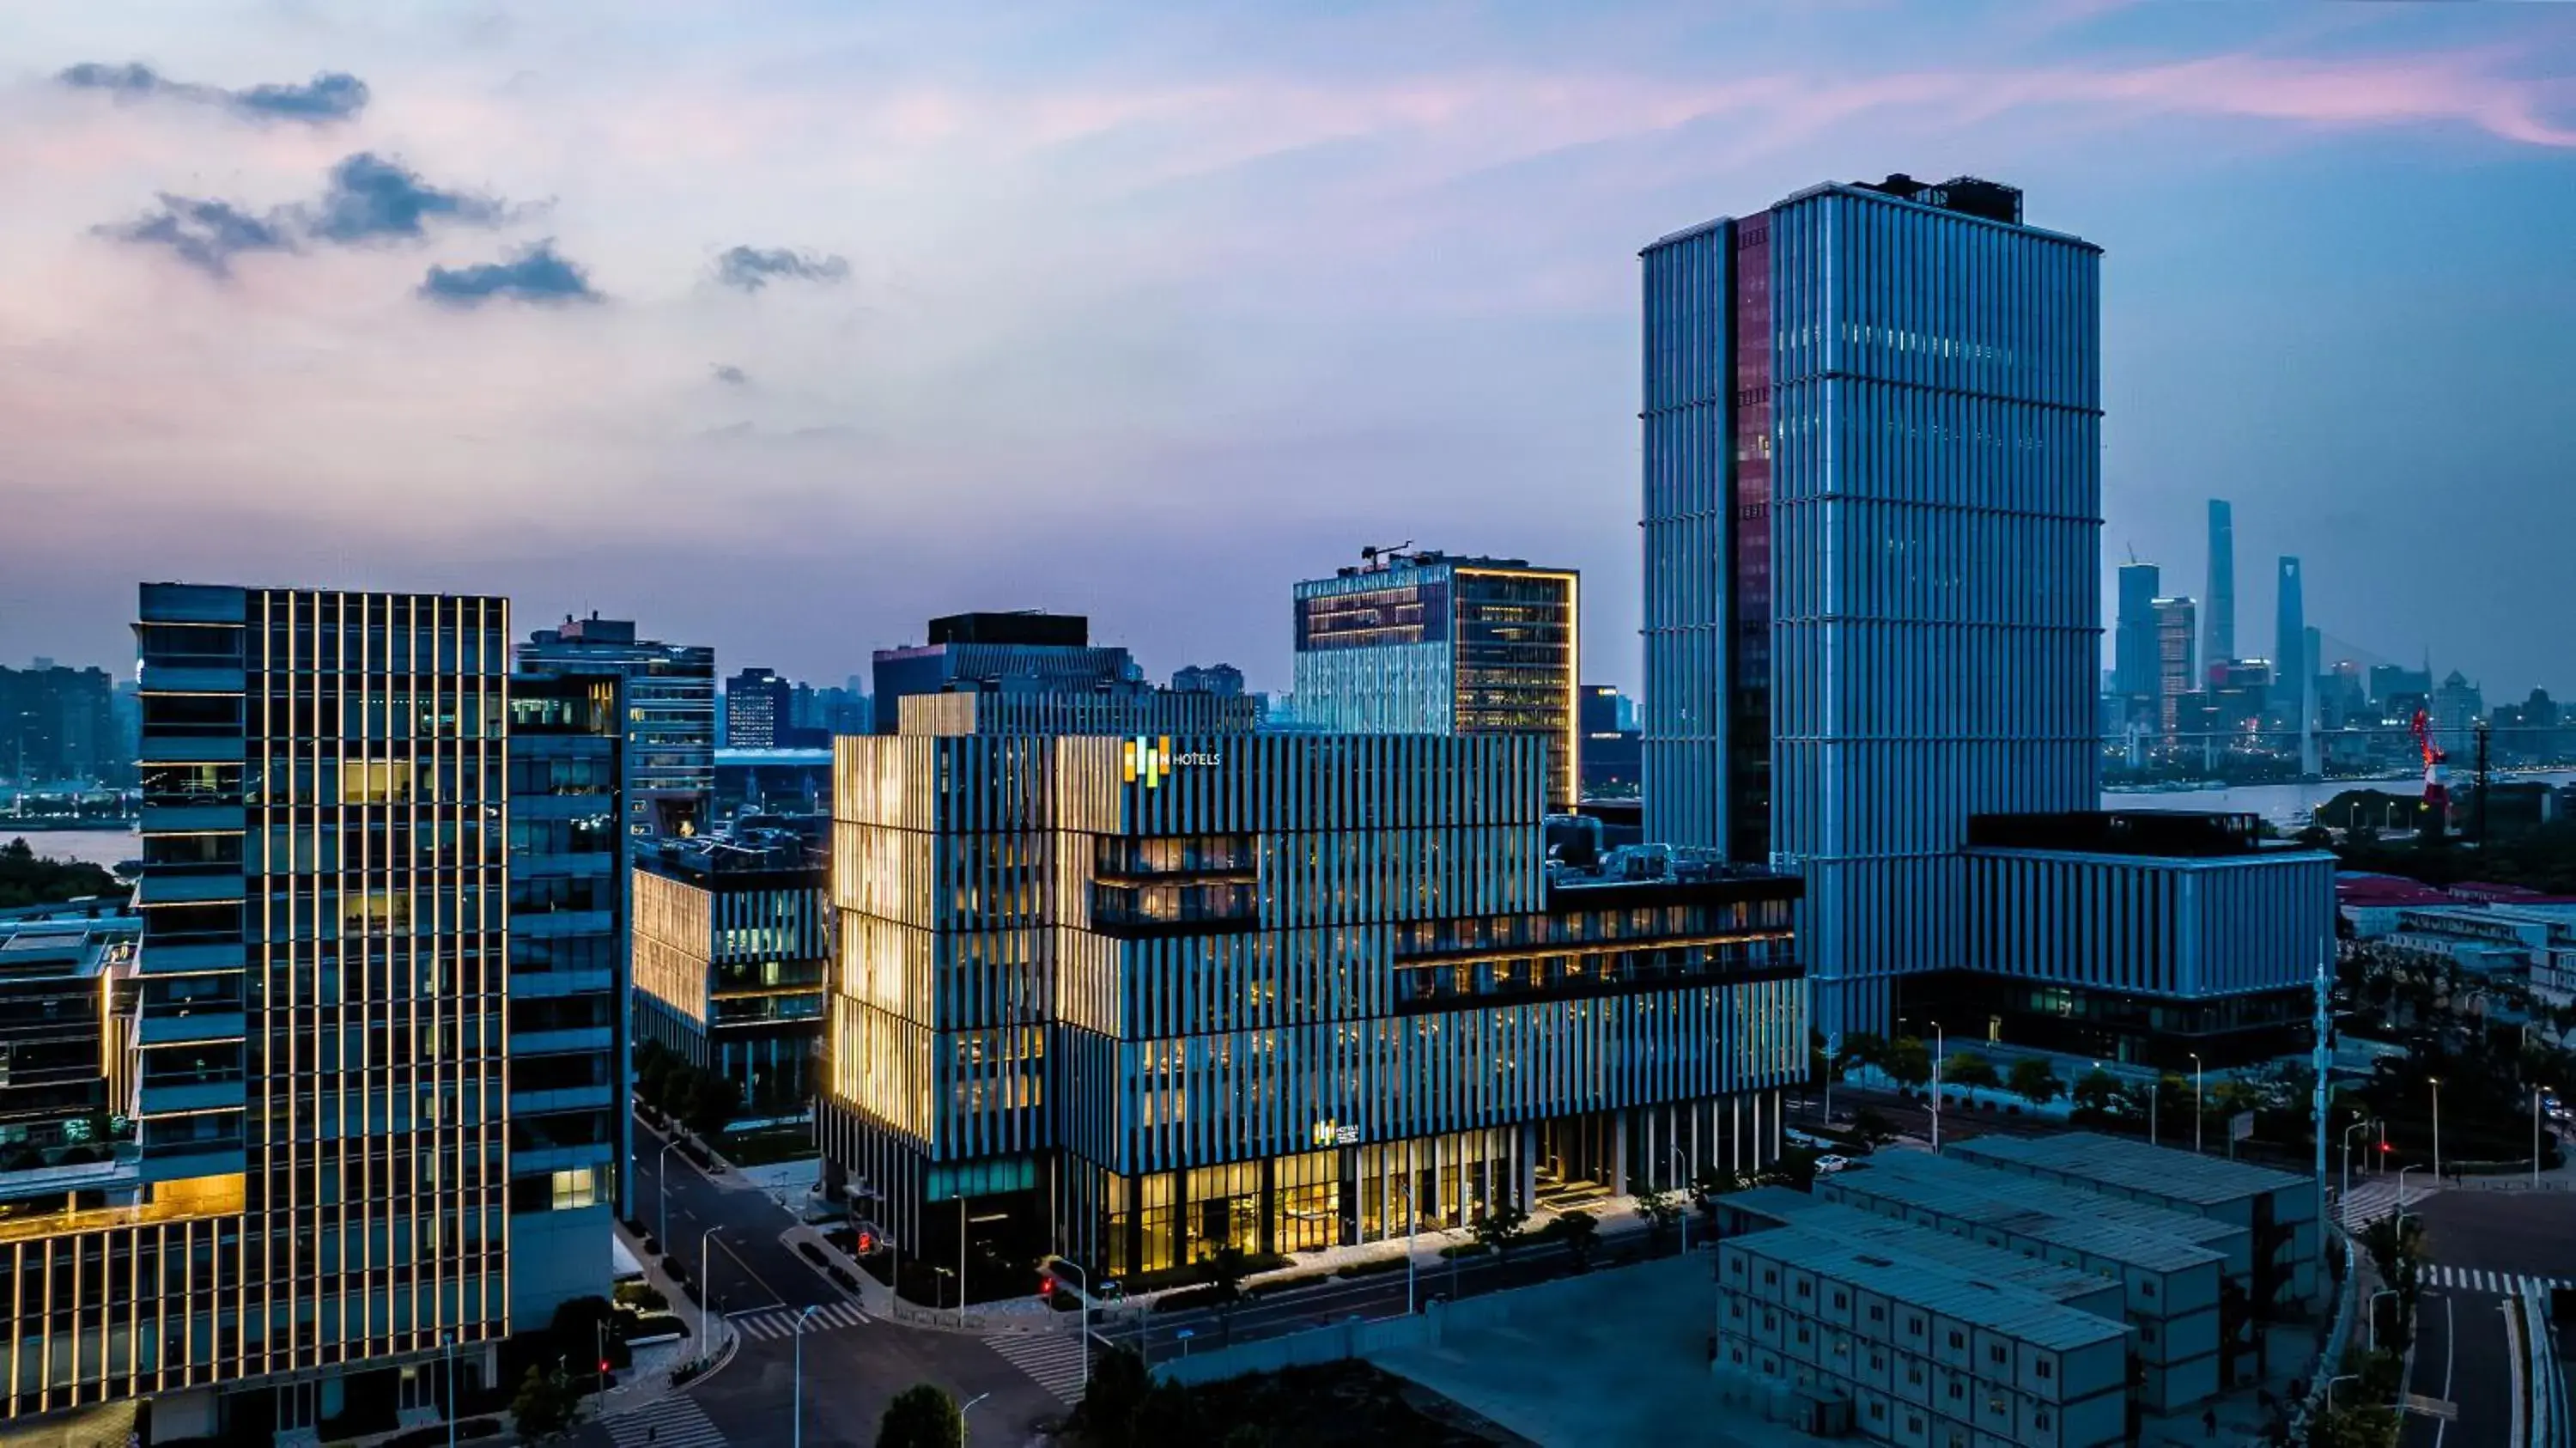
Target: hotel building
<point x="732" y="937"/>
<point x="1872" y="512"/>
<point x="1137" y="999"/>
<point x="1432" y="643"/>
<point x="321" y="1194"/>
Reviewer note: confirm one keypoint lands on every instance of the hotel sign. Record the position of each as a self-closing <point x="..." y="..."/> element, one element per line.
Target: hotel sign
<point x="1151" y="760"/>
<point x="1330" y="1133"/>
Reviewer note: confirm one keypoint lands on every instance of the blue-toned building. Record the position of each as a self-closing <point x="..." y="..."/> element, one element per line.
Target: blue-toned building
<point x="2134" y="673"/>
<point x="2218" y="637"/>
<point x="1025" y="652"/>
<point x="2141" y="937"/>
<point x="1436" y="643"/>
<point x="1872" y="489"/>
<point x="570" y="1026"/>
<point x="670" y="714"/>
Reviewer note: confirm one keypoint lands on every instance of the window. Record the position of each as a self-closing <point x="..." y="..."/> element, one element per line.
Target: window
<point x="2044" y="1368"/>
<point x="1841" y="1301"/>
<point x="1958" y="1390"/>
<point x="1914" y="1422"/>
<point x="1994" y="1402"/>
<point x="1914" y="1376"/>
<point x="1802" y="1332"/>
<point x="1770" y="1277"/>
<point x="1804" y="1289"/>
<point x="1914" y="1325"/>
<point x="1877" y="1410"/>
<point x="1999" y="1353"/>
<point x="2039" y="1419"/>
<point x="2146" y="1332"/>
<point x="576" y="1188"/>
<point x="2147" y="1287"/>
<point x="1877" y="1313"/>
<point x="1958" y="1339"/>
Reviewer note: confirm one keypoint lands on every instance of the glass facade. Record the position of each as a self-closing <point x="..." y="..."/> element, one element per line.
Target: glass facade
<point x="670" y="715"/>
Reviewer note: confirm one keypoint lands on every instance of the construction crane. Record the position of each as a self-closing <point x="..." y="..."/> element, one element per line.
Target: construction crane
<point x="1369" y="556"/>
<point x="2437" y="788"/>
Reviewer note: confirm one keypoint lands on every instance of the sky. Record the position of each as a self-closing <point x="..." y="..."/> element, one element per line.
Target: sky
<point x="785" y="327"/>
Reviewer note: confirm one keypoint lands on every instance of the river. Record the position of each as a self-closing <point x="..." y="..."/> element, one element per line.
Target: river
<point x="103" y="848"/>
<point x="2296" y="804"/>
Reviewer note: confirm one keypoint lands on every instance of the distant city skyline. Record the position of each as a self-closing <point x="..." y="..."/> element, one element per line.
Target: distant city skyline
<point x="430" y="301"/>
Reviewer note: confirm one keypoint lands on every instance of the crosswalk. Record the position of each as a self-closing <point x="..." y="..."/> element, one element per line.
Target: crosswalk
<point x="673" y="1422"/>
<point x="2373" y="1200"/>
<point x="2471" y="1279"/>
<point x="781" y="1321"/>
<point x="1052" y="1359"/>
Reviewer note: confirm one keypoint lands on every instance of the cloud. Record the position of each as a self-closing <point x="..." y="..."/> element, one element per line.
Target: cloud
<point x="532" y="274"/>
<point x="330" y="96"/>
<point x="731" y="375"/>
<point x="371" y="197"/>
<point x="752" y="268"/>
<point x="205" y="234"/>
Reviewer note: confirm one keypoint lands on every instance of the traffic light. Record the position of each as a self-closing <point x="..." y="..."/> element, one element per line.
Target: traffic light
<point x="603" y="1367"/>
<point x="1046" y="1287"/>
<point x="867" y="1243"/>
<point x="2384" y="1148"/>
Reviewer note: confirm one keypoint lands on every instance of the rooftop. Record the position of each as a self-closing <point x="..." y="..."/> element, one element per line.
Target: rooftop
<point x="66" y="945"/>
<point x="2121" y="832"/>
<point x="2015" y="1312"/>
<point x="744" y="851"/>
<point x="1907" y="1242"/>
<point x="1027" y="626"/>
<point x="2155" y="1239"/>
<point x="2180" y="1176"/>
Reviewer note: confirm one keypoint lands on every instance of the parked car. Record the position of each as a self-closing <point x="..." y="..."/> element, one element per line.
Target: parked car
<point x="1828" y="1165"/>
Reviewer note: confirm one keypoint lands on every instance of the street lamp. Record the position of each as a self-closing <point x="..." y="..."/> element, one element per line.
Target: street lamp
<point x="706" y="1291"/>
<point x="796" y="1433"/>
<point x="961" y="1261"/>
<point x="2374" y="1314"/>
<point x="1688" y="1175"/>
<point x="2199" y="1105"/>
<point x="2436" y="1083"/>
<point x="2535" y="1134"/>
<point x="1411" y="1216"/>
<point x="2401" y="1180"/>
<point x="2361" y="1125"/>
<point x="1940" y="1043"/>
<point x="961" y="1416"/>
<point x="1083" y="1279"/>
<point x="662" y="1184"/>
<point x="2338" y="1378"/>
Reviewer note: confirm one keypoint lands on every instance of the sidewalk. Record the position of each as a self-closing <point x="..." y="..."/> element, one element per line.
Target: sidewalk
<point x="648" y="1380"/>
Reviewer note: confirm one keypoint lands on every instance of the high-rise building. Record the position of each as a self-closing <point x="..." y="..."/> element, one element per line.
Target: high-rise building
<point x="1613" y="754"/>
<point x="1138" y="1000"/>
<point x="732" y="936"/>
<point x="2455" y="709"/>
<point x="756" y="707"/>
<point x="1223" y="679"/>
<point x="1025" y="652"/>
<point x="1437" y="643"/>
<point x="2218" y="643"/>
<point x="58" y="725"/>
<point x="570" y="1036"/>
<point x="2175" y="675"/>
<point x="1872" y="490"/>
<point x="2292" y="673"/>
<point x="670" y="714"/>
<point x="2136" y="656"/>
<point x="322" y="1175"/>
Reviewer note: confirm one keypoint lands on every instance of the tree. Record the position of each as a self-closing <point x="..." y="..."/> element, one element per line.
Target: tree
<point x="2098" y="1091"/>
<point x="1501" y="1229"/>
<point x="544" y="1404"/>
<point x="27" y="879"/>
<point x="712" y="1101"/>
<point x="921" y="1416"/>
<point x="1659" y="1211"/>
<point x="1909" y="1062"/>
<point x="1169" y="1414"/>
<point x="2035" y="1081"/>
<point x="1580" y="1232"/>
<point x="1877" y="1130"/>
<point x="1223" y="1270"/>
<point x="1864" y="1048"/>
<point x="1967" y="1068"/>
<point x="1119" y="1384"/>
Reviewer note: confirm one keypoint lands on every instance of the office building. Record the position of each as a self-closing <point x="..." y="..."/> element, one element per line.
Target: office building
<point x="1872" y="499"/>
<point x="757" y="705"/>
<point x="2169" y="1265"/>
<point x="316" y="1198"/>
<point x="1018" y="653"/>
<point x="2218" y="644"/>
<point x="1149" y="712"/>
<point x="1136" y="1000"/>
<point x="791" y="782"/>
<point x="2136" y="651"/>
<point x="66" y="996"/>
<point x="2455" y="709"/>
<point x="670" y="713"/>
<point x="2293" y="674"/>
<point x="2139" y="937"/>
<point x="2278" y="1210"/>
<point x="1437" y="643"/>
<point x="1223" y="679"/>
<point x="58" y="726"/>
<point x="2177" y="677"/>
<point x="1925" y="1357"/>
<point x="1613" y="752"/>
<point x="570" y="1033"/>
<point x="732" y="937"/>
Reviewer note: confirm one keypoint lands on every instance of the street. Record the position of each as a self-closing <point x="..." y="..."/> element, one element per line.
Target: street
<point x="854" y="1363"/>
<point x="2461" y="1351"/>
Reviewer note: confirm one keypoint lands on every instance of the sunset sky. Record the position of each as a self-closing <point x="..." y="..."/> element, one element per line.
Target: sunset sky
<point x="783" y="327"/>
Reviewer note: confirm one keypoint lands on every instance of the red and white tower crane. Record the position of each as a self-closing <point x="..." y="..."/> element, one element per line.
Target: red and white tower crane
<point x="2437" y="788"/>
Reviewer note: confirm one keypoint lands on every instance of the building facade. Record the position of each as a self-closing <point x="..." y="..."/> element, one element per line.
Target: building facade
<point x="2177" y="678"/>
<point x="1872" y="517"/>
<point x="58" y="726"/>
<point x="1613" y="753"/>
<point x="2144" y="938"/>
<point x="571" y="1035"/>
<point x="2136" y="671"/>
<point x="1152" y="711"/>
<point x="1137" y="1000"/>
<point x="316" y="1197"/>
<point x="670" y="712"/>
<point x="1209" y="679"/>
<point x="1434" y="643"/>
<point x="733" y="935"/>
<point x="1019" y="653"/>
<point x="757" y="705"/>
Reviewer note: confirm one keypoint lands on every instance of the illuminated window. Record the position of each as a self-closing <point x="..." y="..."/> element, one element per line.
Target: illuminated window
<point x="576" y="1188"/>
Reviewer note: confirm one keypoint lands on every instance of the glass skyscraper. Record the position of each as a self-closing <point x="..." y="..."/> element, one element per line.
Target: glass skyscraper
<point x="670" y="714"/>
<point x="2218" y="643"/>
<point x="1872" y="514"/>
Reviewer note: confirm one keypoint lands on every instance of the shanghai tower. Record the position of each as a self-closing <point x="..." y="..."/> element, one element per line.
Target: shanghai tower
<point x="2218" y="639"/>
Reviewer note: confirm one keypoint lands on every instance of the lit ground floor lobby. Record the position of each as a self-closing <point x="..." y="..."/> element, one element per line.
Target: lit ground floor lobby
<point x="1346" y="1194"/>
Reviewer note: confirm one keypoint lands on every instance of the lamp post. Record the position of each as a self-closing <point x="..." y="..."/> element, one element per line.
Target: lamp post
<point x="706" y="1291"/>
<point x="968" y="1408"/>
<point x="2374" y="1314"/>
<point x="1940" y="1043"/>
<point x="2401" y="1180"/>
<point x="2330" y="1382"/>
<point x="662" y="1185"/>
<point x="2436" y="1083"/>
<point x="1688" y="1174"/>
<point x="1410" y="1217"/>
<point x="796" y="1430"/>
<point x="1062" y="1264"/>
<point x="2535" y="1134"/>
<point x="2199" y="1103"/>
<point x="2361" y="1125"/>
